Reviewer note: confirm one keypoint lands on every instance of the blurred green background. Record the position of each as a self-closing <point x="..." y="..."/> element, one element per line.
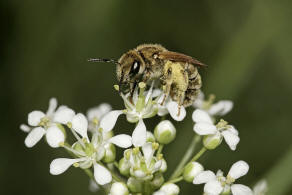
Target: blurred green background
<point x="247" y="45"/>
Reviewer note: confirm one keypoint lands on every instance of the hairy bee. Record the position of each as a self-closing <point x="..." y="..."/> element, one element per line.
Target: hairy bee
<point x="178" y="73"/>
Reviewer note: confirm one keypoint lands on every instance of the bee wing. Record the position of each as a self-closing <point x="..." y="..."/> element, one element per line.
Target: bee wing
<point x="179" y="57"/>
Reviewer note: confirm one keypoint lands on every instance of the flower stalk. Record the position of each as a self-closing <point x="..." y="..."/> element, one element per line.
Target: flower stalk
<point x="188" y="154"/>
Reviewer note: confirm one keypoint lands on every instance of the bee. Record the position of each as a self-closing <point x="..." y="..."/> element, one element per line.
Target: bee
<point x="177" y="72"/>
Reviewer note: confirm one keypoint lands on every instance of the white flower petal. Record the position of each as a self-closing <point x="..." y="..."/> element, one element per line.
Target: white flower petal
<point x="219" y="173"/>
<point x="239" y="189"/>
<point x="99" y="111"/>
<point x="198" y="103"/>
<point x="221" y="108"/>
<point x="108" y="122"/>
<point x="60" y="165"/>
<point x="231" y="139"/>
<point x="213" y="187"/>
<point x="80" y="124"/>
<point x="101" y="174"/>
<point x="238" y="169"/>
<point x="139" y="134"/>
<point x="52" y="106"/>
<point x="93" y="187"/>
<point x="233" y="130"/>
<point x="173" y="109"/>
<point x="148" y="152"/>
<point x="205" y="128"/>
<point x="162" y="110"/>
<point x="122" y="140"/>
<point x="204" y="177"/>
<point x="261" y="187"/>
<point x="34" y="136"/>
<point x="156" y="93"/>
<point x="24" y="128"/>
<point x="34" y="117"/>
<point x="63" y="115"/>
<point x="54" y="136"/>
<point x="158" y="165"/>
<point x="200" y="116"/>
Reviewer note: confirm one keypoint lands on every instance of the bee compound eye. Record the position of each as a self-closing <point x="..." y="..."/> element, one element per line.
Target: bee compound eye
<point x="135" y="68"/>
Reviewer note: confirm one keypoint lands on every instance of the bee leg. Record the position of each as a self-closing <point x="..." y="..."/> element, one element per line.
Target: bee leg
<point x="166" y="89"/>
<point x="180" y="102"/>
<point x="132" y="90"/>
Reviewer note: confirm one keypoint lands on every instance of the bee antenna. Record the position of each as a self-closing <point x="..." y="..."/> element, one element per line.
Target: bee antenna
<point x="103" y="60"/>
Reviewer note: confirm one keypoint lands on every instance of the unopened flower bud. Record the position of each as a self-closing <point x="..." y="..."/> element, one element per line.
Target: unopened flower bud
<point x="192" y="170"/>
<point x="165" y="132"/>
<point x="157" y="181"/>
<point x="163" y="167"/>
<point x="124" y="167"/>
<point x="110" y="153"/>
<point x="135" y="185"/>
<point x="119" y="188"/>
<point x="212" y="141"/>
<point x="170" y="189"/>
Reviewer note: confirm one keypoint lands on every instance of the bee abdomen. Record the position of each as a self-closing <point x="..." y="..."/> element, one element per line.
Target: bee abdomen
<point x="195" y="83"/>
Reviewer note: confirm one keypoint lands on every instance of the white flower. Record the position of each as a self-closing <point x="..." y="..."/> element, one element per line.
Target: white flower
<point x="260" y="188"/>
<point x="216" y="184"/>
<point x="204" y="126"/>
<point x="95" y="114"/>
<point x="218" y="109"/>
<point x="43" y="124"/>
<point x="143" y="164"/>
<point x="87" y="153"/>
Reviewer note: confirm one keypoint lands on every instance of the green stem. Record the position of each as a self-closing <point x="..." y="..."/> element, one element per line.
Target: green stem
<point x="179" y="169"/>
<point x="114" y="175"/>
<point x="90" y="175"/>
<point x="116" y="164"/>
<point x="147" y="188"/>
<point x="176" y="180"/>
<point x="199" y="154"/>
<point x="159" y="149"/>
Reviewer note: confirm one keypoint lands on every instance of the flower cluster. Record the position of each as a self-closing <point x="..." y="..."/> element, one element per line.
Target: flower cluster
<point x="141" y="170"/>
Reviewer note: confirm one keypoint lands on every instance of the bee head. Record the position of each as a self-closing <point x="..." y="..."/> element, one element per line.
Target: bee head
<point x="130" y="68"/>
